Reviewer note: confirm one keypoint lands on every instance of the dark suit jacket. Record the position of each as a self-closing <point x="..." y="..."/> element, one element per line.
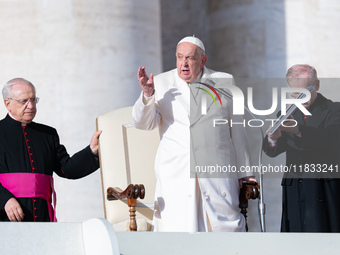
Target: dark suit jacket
<point x="36" y="149"/>
<point x="310" y="200"/>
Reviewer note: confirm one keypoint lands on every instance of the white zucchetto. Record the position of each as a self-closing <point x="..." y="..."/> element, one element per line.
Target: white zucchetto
<point x="193" y="40"/>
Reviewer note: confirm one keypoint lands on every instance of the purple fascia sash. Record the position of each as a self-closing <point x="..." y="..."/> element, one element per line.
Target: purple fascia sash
<point x="32" y="185"/>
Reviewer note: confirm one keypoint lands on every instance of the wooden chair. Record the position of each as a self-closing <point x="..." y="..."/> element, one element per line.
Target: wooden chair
<point x="249" y="190"/>
<point x="127" y="157"/>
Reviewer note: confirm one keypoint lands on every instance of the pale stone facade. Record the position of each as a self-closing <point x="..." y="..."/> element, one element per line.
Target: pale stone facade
<point x="83" y="57"/>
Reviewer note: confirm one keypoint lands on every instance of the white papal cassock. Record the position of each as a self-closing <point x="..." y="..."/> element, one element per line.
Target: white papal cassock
<point x="183" y="203"/>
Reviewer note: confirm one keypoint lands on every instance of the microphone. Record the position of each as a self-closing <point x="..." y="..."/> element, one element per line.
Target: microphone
<point x="290" y="111"/>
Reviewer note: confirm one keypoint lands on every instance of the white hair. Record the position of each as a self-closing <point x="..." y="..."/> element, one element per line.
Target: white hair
<point x="294" y="72"/>
<point x="198" y="51"/>
<point x="7" y="89"/>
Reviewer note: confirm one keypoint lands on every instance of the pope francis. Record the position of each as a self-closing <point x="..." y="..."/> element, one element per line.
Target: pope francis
<point x="186" y="201"/>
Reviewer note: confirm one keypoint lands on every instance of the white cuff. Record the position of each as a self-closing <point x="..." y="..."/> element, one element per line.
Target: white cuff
<point x="146" y="99"/>
<point x="271" y="142"/>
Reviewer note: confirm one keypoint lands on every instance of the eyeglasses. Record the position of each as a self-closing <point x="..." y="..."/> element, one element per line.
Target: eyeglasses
<point x="34" y="100"/>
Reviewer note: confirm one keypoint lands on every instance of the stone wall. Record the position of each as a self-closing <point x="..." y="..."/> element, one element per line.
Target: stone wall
<point x="83" y="56"/>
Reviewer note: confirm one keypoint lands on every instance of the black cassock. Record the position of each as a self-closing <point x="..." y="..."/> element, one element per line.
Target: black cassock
<point x="35" y="148"/>
<point x="311" y="204"/>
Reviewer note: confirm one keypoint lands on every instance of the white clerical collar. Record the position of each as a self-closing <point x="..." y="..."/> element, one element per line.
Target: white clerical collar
<point x="22" y="124"/>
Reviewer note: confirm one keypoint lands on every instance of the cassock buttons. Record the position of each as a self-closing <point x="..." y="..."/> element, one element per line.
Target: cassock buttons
<point x="29" y="147"/>
<point x="34" y="208"/>
<point x="224" y="194"/>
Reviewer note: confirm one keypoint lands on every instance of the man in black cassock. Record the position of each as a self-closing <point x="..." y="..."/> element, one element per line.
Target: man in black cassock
<point x="310" y="191"/>
<point x="32" y="151"/>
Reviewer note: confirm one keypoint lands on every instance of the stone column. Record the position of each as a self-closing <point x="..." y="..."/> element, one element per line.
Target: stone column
<point x="312" y="38"/>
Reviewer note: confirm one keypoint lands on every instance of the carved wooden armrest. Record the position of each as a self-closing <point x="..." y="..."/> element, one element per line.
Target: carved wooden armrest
<point x="249" y="190"/>
<point x="131" y="193"/>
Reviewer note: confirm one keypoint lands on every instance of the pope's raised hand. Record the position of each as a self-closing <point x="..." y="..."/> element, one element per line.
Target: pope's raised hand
<point x="145" y="82"/>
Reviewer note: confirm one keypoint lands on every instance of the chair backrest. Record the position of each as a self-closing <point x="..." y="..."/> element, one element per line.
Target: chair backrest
<point x="126" y="156"/>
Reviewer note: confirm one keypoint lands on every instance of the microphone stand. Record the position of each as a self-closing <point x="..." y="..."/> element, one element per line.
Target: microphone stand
<point x="261" y="205"/>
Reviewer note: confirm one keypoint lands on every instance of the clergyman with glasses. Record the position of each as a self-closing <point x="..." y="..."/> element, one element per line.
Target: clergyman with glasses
<point x="29" y="155"/>
<point x="310" y="191"/>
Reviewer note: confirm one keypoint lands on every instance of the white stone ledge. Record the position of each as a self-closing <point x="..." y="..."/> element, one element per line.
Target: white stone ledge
<point x="227" y="243"/>
<point x="92" y="237"/>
